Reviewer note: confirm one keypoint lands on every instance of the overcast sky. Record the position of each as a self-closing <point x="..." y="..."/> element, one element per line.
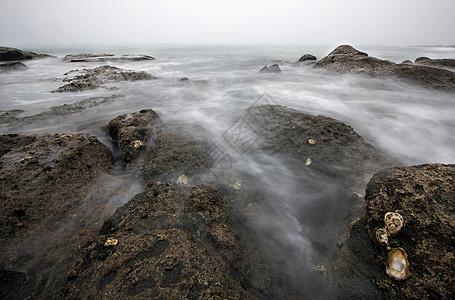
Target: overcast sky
<point x="373" y="22"/>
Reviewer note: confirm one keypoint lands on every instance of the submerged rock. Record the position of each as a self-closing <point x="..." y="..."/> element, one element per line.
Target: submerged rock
<point x="11" y="116"/>
<point x="12" y="66"/>
<point x="133" y="132"/>
<point x="345" y="59"/>
<point x="173" y="242"/>
<point x="96" y="77"/>
<point x="275" y="68"/>
<point x="105" y="57"/>
<point x="11" y="54"/>
<point x="333" y="147"/>
<point x="43" y="183"/>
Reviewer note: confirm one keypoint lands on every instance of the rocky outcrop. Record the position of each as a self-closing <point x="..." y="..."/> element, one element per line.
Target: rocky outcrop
<point x="105" y="58"/>
<point x="439" y="63"/>
<point x="12" y="66"/>
<point x="43" y="183"/>
<point x="133" y="132"/>
<point x="96" y="77"/>
<point x="306" y="58"/>
<point x="12" y="54"/>
<point x="345" y="59"/>
<point x="275" y="68"/>
<point x="167" y="242"/>
<point x="424" y="196"/>
<point x="324" y="144"/>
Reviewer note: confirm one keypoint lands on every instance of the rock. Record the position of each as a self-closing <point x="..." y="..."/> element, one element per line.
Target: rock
<point x="80" y="106"/>
<point x="194" y="82"/>
<point x="11" y="117"/>
<point x="345" y="59"/>
<point x="12" y="66"/>
<point x="332" y="146"/>
<point x="105" y="57"/>
<point x="12" y="54"/>
<point x="94" y="78"/>
<point x="407" y="62"/>
<point x="43" y="183"/>
<point x="424" y="195"/>
<point x="439" y="63"/>
<point x="275" y="68"/>
<point x="428" y="77"/>
<point x="307" y="57"/>
<point x="178" y="151"/>
<point x="185" y="247"/>
<point x="133" y="132"/>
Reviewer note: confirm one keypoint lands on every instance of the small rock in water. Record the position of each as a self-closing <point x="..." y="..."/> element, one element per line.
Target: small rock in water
<point x="275" y="68"/>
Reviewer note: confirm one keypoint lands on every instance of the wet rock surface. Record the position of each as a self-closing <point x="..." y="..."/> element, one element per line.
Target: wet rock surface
<point x="43" y="181"/>
<point x="275" y="68"/>
<point x="170" y="242"/>
<point x="11" y="54"/>
<point x="345" y="59"/>
<point x="96" y="77"/>
<point x="424" y="196"/>
<point x="324" y="144"/>
<point x="180" y="152"/>
<point x="105" y="57"/>
<point x="133" y="132"/>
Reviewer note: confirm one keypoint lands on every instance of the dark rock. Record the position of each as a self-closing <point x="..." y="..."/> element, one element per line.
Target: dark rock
<point x="178" y="151"/>
<point x="331" y="146"/>
<point x="12" y="54"/>
<point x="133" y="132"/>
<point x="186" y="247"/>
<point x="43" y="183"/>
<point x="424" y="76"/>
<point x="345" y="59"/>
<point x="439" y="63"/>
<point x="407" y="62"/>
<point x="424" y="195"/>
<point x="275" y="68"/>
<point x="12" y="66"/>
<point x="94" y="78"/>
<point x="104" y="57"/>
<point x="307" y="57"/>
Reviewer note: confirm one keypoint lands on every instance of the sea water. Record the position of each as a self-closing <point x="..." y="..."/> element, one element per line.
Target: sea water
<point x="407" y="124"/>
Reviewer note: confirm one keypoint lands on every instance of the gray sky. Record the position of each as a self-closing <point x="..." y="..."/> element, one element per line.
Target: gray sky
<point x="378" y="22"/>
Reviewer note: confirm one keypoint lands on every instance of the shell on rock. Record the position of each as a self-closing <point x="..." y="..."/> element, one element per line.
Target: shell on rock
<point x="138" y="144"/>
<point x="394" y="222"/>
<point x="382" y="235"/>
<point x="397" y="264"/>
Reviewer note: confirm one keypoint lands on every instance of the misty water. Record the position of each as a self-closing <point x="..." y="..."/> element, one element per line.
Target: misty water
<point x="407" y="124"/>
